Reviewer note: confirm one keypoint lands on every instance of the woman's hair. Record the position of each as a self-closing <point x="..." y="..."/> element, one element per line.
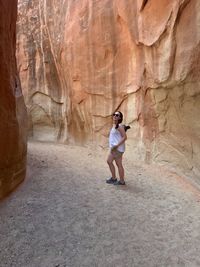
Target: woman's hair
<point x="126" y="127"/>
<point x="120" y="119"/>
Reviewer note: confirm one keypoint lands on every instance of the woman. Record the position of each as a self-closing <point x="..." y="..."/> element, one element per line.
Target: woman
<point x="117" y="140"/>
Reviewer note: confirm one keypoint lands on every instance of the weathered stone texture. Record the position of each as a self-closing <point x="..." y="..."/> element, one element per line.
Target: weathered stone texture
<point x="12" y="107"/>
<point x="81" y="60"/>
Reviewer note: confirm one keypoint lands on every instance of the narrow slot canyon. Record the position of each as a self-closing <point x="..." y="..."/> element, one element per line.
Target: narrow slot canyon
<point x="66" y="67"/>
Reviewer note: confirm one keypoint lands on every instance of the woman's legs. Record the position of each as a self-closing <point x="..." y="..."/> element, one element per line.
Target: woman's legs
<point x="111" y="165"/>
<point x="120" y="168"/>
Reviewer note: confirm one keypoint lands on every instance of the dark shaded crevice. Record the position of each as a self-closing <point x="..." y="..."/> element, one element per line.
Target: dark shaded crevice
<point x="143" y="4"/>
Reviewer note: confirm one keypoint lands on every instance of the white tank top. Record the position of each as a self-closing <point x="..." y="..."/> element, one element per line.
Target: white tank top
<point x="114" y="139"/>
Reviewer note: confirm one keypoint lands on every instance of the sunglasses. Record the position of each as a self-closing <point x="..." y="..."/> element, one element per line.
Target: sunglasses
<point x="116" y="115"/>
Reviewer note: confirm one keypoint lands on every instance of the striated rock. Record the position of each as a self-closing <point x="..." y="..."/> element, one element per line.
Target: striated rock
<point x="81" y="60"/>
<point x="12" y="107"/>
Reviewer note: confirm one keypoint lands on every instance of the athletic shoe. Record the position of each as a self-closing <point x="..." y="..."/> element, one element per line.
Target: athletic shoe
<point x="111" y="181"/>
<point x="119" y="183"/>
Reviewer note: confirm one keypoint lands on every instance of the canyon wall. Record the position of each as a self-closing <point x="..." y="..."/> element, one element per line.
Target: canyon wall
<point x="79" y="61"/>
<point x="12" y="107"/>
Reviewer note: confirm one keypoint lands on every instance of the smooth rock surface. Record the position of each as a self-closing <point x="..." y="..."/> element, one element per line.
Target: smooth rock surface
<point x="12" y="107"/>
<point x="81" y="60"/>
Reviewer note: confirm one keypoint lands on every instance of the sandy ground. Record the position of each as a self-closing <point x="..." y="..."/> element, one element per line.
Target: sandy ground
<point x="64" y="214"/>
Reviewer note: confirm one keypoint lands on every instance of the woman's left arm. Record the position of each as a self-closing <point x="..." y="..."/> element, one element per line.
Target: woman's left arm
<point x="123" y="134"/>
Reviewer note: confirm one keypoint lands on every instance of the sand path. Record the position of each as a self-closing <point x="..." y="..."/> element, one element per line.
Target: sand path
<point x="64" y="214"/>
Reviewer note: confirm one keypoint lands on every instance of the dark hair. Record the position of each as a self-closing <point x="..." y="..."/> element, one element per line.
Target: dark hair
<point x="126" y="127"/>
<point x="120" y="119"/>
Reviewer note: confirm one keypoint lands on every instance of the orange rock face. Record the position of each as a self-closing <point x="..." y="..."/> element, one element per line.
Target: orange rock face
<point x="12" y="108"/>
<point x="81" y="60"/>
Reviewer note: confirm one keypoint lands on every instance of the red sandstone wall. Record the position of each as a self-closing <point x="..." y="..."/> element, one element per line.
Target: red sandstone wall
<point x="81" y="60"/>
<point x="12" y="108"/>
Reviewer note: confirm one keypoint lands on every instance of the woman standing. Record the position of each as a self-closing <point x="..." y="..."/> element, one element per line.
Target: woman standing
<point x="117" y="140"/>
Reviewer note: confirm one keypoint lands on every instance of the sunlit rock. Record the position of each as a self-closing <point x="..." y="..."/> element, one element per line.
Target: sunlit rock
<point x="81" y="60"/>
